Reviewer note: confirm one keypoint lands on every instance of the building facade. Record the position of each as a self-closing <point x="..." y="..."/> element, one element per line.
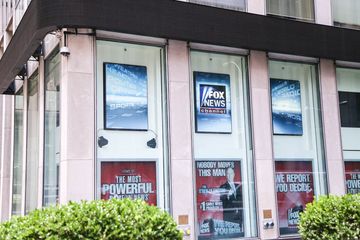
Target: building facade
<point x="230" y="115"/>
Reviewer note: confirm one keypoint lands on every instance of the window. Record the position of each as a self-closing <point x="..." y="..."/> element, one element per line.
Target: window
<point x="52" y="130"/>
<point x="346" y="13"/>
<point x="32" y="149"/>
<point x="296" y="9"/>
<point x="18" y="154"/>
<point x="131" y="123"/>
<point x="225" y="199"/>
<point x="239" y="5"/>
<point x="349" y="99"/>
<point x="297" y="140"/>
<point x="20" y="8"/>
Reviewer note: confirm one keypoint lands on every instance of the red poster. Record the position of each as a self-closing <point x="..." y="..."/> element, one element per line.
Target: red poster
<point x="135" y="180"/>
<point x="295" y="188"/>
<point x="352" y="176"/>
<point x="219" y="199"/>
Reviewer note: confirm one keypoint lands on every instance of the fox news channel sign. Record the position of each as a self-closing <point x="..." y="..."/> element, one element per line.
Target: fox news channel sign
<point x="213" y="99"/>
<point x="213" y="106"/>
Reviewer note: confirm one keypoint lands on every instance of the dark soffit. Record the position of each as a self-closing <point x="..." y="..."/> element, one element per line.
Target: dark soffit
<point x="176" y="20"/>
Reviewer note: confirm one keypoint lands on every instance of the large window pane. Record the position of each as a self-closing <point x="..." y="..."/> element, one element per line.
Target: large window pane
<point x="346" y="13"/>
<point x="228" y="4"/>
<point x="131" y="122"/>
<point x="18" y="154"/>
<point x="297" y="139"/>
<point x="225" y="199"/>
<point x="349" y="99"/>
<point x="32" y="150"/>
<point x="20" y="8"/>
<point x="298" y="9"/>
<point x="52" y="130"/>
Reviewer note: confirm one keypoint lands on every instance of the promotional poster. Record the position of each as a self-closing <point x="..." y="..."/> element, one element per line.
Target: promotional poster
<point x="219" y="199"/>
<point x="286" y="107"/>
<point x="213" y="104"/>
<point x="134" y="180"/>
<point x="352" y="176"/>
<point x="126" y="103"/>
<point x="295" y="188"/>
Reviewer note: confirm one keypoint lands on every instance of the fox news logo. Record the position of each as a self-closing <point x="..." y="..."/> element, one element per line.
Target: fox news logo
<point x="294" y="215"/>
<point x="212" y="99"/>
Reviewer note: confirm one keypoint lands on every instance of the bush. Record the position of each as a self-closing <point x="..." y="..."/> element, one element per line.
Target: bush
<point x="330" y="218"/>
<point x="113" y="219"/>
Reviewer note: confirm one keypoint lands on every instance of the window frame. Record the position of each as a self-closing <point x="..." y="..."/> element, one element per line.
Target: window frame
<point x="253" y="224"/>
<point x="320" y="178"/>
<point x="302" y="19"/>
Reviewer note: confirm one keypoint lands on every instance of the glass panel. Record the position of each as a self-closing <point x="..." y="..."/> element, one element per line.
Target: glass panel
<point x="298" y="145"/>
<point x="6" y="13"/>
<point x="298" y="9"/>
<point x="52" y="130"/>
<point x="225" y="198"/>
<point x="32" y="150"/>
<point x="131" y="123"/>
<point x="18" y="154"/>
<point x="349" y="109"/>
<point x="349" y="99"/>
<point x="346" y="13"/>
<point x="228" y="4"/>
<point x="19" y="11"/>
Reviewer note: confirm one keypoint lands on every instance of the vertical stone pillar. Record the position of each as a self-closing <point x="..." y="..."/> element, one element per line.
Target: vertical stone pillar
<point x="256" y="6"/>
<point x="262" y="137"/>
<point x="332" y="127"/>
<point x="181" y="136"/>
<point x="323" y="12"/>
<point x="41" y="108"/>
<point x="77" y="120"/>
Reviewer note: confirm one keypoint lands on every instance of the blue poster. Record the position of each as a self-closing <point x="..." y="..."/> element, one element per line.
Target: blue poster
<point x="286" y="107"/>
<point x="213" y="105"/>
<point x="125" y="97"/>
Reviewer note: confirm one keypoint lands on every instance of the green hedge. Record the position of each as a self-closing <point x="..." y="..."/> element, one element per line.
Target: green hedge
<point x="110" y="220"/>
<point x="331" y="218"/>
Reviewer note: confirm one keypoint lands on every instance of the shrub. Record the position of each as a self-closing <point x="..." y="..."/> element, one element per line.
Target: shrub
<point x="110" y="220"/>
<point x="331" y="217"/>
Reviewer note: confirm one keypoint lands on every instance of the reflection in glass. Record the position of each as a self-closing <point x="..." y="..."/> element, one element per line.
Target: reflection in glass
<point x="346" y="13"/>
<point x="32" y="150"/>
<point x="299" y="155"/>
<point x="18" y="154"/>
<point x="297" y="9"/>
<point x="349" y="109"/>
<point x="52" y="130"/>
<point x="348" y="80"/>
<point x="238" y="5"/>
